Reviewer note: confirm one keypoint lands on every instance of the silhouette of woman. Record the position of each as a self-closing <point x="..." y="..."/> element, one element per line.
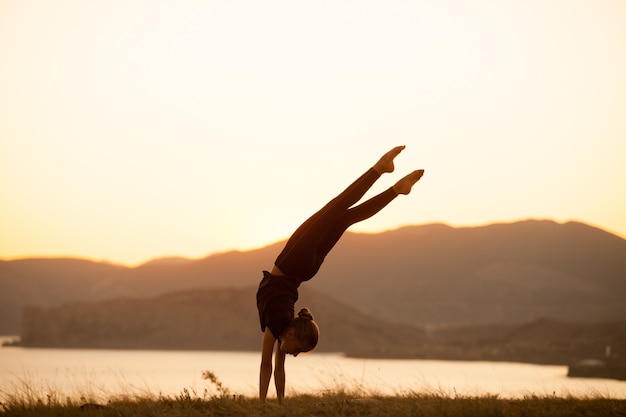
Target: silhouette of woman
<point x="300" y="260"/>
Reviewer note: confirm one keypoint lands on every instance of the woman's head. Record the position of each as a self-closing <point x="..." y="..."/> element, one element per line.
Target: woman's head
<point x="302" y="334"/>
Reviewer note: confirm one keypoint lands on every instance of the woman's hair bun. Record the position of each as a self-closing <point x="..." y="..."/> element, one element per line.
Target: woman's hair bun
<point x="305" y="314"/>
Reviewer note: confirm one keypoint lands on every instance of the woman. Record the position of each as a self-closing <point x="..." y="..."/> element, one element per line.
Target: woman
<point x="300" y="260"/>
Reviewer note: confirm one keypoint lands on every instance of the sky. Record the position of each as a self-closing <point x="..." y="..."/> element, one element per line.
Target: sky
<point x="136" y="129"/>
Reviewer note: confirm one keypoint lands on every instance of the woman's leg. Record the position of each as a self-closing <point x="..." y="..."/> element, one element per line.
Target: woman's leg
<point x="305" y="251"/>
<point x="365" y="211"/>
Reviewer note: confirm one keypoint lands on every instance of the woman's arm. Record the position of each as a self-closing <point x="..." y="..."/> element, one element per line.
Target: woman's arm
<point x="266" y="364"/>
<point x="279" y="374"/>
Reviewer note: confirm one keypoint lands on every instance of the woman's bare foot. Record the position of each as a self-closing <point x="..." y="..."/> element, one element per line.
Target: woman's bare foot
<point x="385" y="164"/>
<point x="404" y="185"/>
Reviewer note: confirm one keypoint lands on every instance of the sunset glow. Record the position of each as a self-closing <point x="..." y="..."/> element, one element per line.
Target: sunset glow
<point x="131" y="130"/>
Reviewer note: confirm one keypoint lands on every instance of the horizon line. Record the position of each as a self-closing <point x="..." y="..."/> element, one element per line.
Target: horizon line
<point x="184" y="258"/>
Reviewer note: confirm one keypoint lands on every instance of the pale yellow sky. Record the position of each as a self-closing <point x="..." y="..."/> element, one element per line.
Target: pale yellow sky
<point x="136" y="129"/>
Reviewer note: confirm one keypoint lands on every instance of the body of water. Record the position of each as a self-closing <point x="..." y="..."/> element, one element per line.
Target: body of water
<point x="105" y="373"/>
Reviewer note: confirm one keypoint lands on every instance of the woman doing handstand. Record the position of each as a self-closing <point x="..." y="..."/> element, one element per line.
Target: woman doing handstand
<point x="300" y="260"/>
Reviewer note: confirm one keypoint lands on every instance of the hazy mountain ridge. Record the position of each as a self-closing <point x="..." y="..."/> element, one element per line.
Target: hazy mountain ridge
<point x="431" y="274"/>
<point x="498" y="273"/>
<point x="226" y="319"/>
<point x="218" y="319"/>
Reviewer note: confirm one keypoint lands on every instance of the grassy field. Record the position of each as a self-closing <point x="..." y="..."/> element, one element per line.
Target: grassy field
<point x="219" y="401"/>
<point x="333" y="404"/>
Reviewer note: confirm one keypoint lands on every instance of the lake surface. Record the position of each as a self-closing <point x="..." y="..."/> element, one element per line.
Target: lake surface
<point x="105" y="373"/>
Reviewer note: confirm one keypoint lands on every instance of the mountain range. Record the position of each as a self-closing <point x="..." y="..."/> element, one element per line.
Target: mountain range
<point x="225" y="319"/>
<point x="411" y="281"/>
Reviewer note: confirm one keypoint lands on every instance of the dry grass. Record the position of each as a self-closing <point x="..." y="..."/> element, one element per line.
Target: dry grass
<point x="334" y="404"/>
<point x="218" y="401"/>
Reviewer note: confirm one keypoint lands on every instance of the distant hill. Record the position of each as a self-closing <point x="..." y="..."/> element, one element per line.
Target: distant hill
<point x="226" y="319"/>
<point x="501" y="273"/>
<point x="416" y="275"/>
<point x="215" y="319"/>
